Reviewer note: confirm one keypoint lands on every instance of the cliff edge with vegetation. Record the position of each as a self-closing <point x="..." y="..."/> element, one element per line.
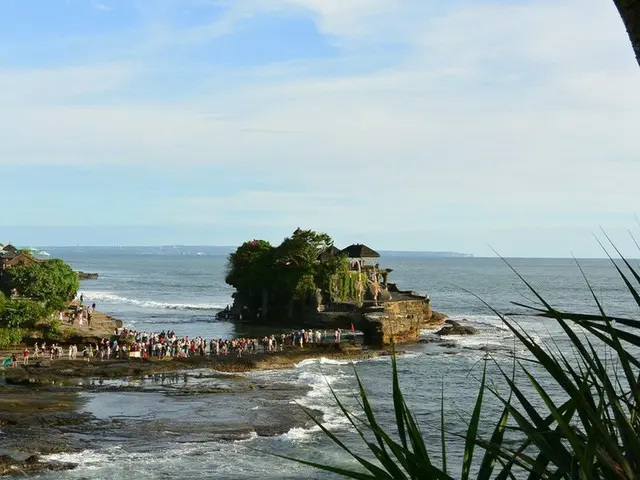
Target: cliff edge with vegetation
<point x="307" y="281"/>
<point x="32" y="293"/>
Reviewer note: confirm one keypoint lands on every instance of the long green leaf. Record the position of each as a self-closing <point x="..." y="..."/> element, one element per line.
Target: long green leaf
<point x="398" y="404"/>
<point x="472" y="431"/>
<point x="443" y="439"/>
<point x="489" y="459"/>
<point x="327" y="468"/>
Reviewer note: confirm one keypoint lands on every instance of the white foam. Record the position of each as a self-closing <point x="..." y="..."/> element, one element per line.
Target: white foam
<point x="86" y="458"/>
<point x="319" y="397"/>
<point x="252" y="436"/>
<point x="112" y="297"/>
<point x="492" y="335"/>
<point x="323" y="361"/>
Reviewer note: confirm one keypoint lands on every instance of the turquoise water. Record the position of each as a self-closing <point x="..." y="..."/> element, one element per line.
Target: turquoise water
<point x="175" y="427"/>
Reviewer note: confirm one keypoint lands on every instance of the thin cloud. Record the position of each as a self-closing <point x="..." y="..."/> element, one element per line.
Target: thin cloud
<point x="486" y="108"/>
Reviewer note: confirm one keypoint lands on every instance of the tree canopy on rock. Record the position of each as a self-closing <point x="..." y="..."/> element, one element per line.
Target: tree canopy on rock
<point x="274" y="276"/>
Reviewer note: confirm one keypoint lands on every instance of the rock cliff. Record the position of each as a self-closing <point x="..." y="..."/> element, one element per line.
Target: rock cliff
<point x="398" y="321"/>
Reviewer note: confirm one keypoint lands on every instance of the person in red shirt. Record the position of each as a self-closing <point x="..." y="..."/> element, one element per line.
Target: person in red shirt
<point x="25" y="356"/>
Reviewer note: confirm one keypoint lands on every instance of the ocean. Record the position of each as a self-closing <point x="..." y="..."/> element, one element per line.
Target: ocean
<point x="201" y="424"/>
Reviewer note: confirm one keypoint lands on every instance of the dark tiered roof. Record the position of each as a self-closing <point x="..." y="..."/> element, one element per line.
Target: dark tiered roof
<point x="8" y="251"/>
<point x="328" y="253"/>
<point x="358" y="250"/>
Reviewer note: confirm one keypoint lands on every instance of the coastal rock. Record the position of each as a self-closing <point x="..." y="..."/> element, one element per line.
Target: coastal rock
<point x="437" y="318"/>
<point x="454" y="328"/>
<point x="32" y="464"/>
<point x="87" y="276"/>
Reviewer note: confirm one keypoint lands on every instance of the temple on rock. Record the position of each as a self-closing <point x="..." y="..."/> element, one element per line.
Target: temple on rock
<point x="308" y="281"/>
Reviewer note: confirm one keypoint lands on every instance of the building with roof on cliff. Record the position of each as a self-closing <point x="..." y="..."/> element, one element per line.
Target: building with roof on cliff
<point x="10" y="256"/>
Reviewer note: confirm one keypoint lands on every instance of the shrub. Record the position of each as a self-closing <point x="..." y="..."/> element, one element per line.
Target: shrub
<point x="21" y="313"/>
<point x="10" y="337"/>
<point x="52" y="331"/>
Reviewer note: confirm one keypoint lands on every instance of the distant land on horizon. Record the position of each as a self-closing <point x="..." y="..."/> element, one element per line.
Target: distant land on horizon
<point x="220" y="249"/>
<point x="226" y="249"/>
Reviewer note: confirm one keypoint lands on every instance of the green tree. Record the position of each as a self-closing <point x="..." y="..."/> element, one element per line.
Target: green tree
<point x="296" y="264"/>
<point x="275" y="278"/>
<point x="51" y="281"/>
<point x="248" y="267"/>
<point x="21" y="313"/>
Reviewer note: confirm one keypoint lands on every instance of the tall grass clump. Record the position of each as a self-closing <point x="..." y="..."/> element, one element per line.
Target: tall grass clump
<point x="582" y="422"/>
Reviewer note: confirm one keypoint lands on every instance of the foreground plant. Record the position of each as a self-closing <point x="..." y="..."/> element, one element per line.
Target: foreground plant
<point x="594" y="433"/>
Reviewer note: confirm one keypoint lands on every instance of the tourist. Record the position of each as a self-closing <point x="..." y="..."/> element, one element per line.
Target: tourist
<point x="148" y="345"/>
<point x="14" y="360"/>
<point x="25" y="356"/>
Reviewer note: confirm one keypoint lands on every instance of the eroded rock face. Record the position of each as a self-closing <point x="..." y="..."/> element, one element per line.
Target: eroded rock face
<point x="454" y="328"/>
<point x="32" y="464"/>
<point x="400" y="322"/>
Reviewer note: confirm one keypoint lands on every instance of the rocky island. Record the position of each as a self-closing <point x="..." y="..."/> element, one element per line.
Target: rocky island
<point x="308" y="280"/>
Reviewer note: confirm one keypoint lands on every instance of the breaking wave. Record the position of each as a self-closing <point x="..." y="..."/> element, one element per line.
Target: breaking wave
<point x="112" y="297"/>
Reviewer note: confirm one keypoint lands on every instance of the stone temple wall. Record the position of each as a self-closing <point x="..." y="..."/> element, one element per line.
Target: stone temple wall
<point x="398" y="322"/>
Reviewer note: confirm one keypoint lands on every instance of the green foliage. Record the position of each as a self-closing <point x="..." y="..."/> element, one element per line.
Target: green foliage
<point x="348" y="286"/>
<point x="591" y="432"/>
<point x="286" y="273"/>
<point x="302" y="248"/>
<point x="305" y="287"/>
<point x="21" y="313"/>
<point x="249" y="265"/>
<point x="10" y="337"/>
<point x="51" y="281"/>
<point x="52" y="331"/>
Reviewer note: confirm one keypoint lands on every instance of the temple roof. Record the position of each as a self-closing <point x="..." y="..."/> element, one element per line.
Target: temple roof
<point x="358" y="250"/>
<point x="328" y="253"/>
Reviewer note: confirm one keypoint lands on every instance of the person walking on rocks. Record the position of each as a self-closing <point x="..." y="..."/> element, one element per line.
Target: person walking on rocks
<point x="25" y="356"/>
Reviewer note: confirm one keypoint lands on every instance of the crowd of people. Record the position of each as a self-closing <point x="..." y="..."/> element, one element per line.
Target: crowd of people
<point x="128" y="343"/>
<point x="167" y="344"/>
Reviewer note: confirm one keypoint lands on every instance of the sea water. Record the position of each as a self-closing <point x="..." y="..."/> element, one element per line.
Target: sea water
<point x="189" y="425"/>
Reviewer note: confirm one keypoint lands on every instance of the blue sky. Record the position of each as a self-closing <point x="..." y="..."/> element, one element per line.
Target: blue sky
<point x="412" y="125"/>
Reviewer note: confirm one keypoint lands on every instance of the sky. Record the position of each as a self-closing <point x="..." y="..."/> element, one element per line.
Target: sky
<point x="457" y="125"/>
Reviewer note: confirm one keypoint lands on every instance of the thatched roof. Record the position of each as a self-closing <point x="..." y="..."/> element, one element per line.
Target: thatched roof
<point x="328" y="253"/>
<point x="358" y="250"/>
<point x="8" y="251"/>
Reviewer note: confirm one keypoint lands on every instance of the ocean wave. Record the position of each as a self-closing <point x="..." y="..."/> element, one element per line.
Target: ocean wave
<point x="322" y="361"/>
<point x="319" y="397"/>
<point x="112" y="297"/>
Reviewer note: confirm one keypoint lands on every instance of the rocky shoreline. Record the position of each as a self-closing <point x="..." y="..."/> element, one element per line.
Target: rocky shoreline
<point x="41" y="411"/>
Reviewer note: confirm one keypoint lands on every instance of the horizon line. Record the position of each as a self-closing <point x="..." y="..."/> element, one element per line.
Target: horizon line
<point x="456" y="254"/>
